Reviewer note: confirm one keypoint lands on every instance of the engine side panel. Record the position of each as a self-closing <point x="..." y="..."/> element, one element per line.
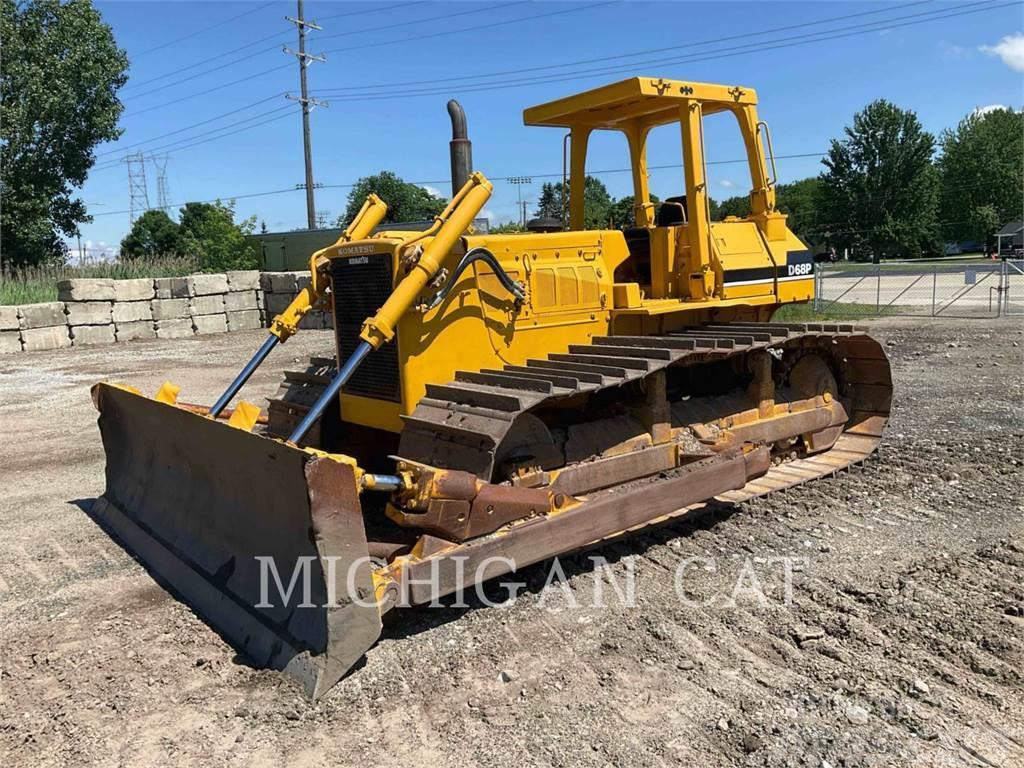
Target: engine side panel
<point x="572" y="297"/>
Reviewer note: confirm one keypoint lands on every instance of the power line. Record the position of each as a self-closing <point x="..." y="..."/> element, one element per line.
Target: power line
<point x="842" y="32"/>
<point x="221" y="87"/>
<point x="760" y="47"/>
<point x="271" y="70"/>
<point x="691" y="58"/>
<point x="188" y="127"/>
<point x="260" y="52"/>
<point x="185" y="139"/>
<point x="495" y="74"/>
<point x="201" y="31"/>
<point x="710" y="41"/>
<point x="189" y="141"/>
<point x="489" y="25"/>
<point x="372" y="10"/>
<point x="299" y="188"/>
<point x="198" y="75"/>
<point x="215" y="199"/>
<point x="279" y="35"/>
<point x="412" y="22"/>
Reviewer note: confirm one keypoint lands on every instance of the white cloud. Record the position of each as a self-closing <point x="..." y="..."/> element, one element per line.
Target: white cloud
<point x="988" y="108"/>
<point x="1010" y="49"/>
<point x="727" y="183"/>
<point x="488" y="214"/>
<point x="434" y="191"/>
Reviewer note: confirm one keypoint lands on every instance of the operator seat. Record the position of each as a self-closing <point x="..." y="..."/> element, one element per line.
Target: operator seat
<point x="671" y="212"/>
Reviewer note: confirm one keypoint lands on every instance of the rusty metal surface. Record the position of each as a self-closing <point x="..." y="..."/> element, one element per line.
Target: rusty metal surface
<point x="198" y="501"/>
<point x="458" y="506"/>
<point x="605" y="473"/>
<point x="605" y="514"/>
<point x="352" y="620"/>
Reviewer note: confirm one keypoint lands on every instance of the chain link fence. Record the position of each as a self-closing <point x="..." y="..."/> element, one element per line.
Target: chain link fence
<point x="927" y="290"/>
<point x="1013" y="288"/>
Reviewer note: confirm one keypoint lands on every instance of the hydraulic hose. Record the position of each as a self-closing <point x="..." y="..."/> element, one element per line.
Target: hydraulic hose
<point x="484" y="255"/>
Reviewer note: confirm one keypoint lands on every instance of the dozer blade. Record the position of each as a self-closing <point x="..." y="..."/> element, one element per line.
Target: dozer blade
<point x="204" y="505"/>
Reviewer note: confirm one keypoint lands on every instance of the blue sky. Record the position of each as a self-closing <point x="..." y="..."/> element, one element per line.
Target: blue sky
<point x="392" y="66"/>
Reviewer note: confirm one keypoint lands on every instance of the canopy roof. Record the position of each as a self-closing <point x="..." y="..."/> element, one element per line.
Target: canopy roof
<point x="651" y="101"/>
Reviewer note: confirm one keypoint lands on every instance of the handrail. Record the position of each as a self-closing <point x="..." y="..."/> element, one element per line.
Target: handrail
<point x="771" y="152"/>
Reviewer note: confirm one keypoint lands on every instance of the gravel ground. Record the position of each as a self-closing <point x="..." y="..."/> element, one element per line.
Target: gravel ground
<point x="899" y="641"/>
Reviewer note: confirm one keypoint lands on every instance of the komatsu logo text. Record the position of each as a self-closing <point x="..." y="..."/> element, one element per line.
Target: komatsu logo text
<point x="358" y="260"/>
<point x="350" y="250"/>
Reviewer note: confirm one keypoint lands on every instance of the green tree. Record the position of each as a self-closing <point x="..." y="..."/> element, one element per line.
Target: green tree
<point x="622" y="214"/>
<point x="208" y="232"/>
<point x="982" y="172"/>
<point x="597" y="203"/>
<point x="406" y="202"/>
<point x="506" y="228"/>
<point x="799" y="200"/>
<point x="880" y="192"/>
<point x="59" y="76"/>
<point x="549" y="205"/>
<point x="154" y="233"/>
<point x="732" y="206"/>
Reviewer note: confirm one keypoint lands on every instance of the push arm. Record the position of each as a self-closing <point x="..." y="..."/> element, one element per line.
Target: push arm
<point x="425" y="263"/>
<point x="454" y="220"/>
<point x="286" y="324"/>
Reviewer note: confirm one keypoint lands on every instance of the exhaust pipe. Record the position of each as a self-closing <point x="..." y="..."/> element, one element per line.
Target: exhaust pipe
<point x="461" y="148"/>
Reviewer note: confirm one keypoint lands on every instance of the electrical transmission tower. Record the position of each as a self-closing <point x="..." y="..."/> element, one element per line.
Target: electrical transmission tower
<point x="305" y="59"/>
<point x="138" y="192"/>
<point x="163" y="194"/>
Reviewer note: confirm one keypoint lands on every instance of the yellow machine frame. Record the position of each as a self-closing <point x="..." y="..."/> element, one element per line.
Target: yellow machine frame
<point x="497" y="467"/>
<point x="579" y="283"/>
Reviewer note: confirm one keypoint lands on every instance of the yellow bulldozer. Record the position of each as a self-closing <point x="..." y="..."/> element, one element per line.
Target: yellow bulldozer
<point x="498" y="399"/>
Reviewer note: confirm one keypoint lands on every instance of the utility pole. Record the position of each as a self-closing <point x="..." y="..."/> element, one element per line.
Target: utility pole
<point x="304" y="61"/>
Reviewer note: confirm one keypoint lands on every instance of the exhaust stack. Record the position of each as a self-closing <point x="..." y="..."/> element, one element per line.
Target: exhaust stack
<point x="461" y="147"/>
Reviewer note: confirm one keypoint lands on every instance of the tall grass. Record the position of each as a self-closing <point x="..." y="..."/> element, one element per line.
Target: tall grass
<point x="29" y="285"/>
<point x="830" y="311"/>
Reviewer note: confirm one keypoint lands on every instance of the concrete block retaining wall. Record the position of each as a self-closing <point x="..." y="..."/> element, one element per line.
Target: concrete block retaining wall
<point x="105" y="311"/>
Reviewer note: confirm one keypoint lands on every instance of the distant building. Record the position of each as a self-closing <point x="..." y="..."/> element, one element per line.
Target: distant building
<point x="1010" y="238"/>
<point x="287" y="251"/>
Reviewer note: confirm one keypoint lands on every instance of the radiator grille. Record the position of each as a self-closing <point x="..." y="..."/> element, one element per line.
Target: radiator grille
<point x="361" y="285"/>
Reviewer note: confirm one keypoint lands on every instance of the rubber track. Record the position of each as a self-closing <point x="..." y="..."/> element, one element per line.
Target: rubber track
<point x="461" y="424"/>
